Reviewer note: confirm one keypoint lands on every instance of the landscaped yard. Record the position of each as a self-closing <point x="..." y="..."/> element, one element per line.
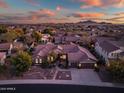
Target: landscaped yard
<point x="36" y="72"/>
<point x="63" y="75"/>
<point x="72" y="74"/>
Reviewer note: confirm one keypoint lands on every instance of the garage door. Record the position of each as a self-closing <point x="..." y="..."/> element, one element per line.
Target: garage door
<point x="87" y="65"/>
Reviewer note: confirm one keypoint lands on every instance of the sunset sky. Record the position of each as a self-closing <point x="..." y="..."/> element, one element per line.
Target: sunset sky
<point x="60" y="11"/>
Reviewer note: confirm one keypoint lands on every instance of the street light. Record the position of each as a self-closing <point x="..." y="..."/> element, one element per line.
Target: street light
<point x="79" y="65"/>
<point x="96" y="68"/>
<point x="95" y="65"/>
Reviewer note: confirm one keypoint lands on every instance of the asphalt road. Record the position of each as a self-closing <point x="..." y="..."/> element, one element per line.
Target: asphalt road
<point x="57" y="88"/>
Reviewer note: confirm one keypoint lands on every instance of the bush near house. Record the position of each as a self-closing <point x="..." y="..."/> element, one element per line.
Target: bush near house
<point x="2" y="29"/>
<point x="116" y="69"/>
<point x="49" y="61"/>
<point x="37" y="36"/>
<point x="2" y="68"/>
<point x="21" y="62"/>
<point x="45" y="64"/>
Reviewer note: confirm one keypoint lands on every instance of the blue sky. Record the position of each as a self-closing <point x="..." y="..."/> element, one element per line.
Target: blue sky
<point x="59" y="11"/>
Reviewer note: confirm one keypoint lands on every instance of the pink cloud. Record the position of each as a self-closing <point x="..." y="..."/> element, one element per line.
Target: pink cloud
<point x="102" y="3"/>
<point x="3" y="4"/>
<point x="46" y="12"/>
<point x="92" y="2"/>
<point x="43" y="12"/>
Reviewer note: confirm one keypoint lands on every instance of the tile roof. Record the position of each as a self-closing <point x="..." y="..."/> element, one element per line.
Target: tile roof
<point x="118" y="43"/>
<point x="58" y="39"/>
<point x="108" y="47"/>
<point x="77" y="56"/>
<point x="76" y="53"/>
<point x="71" y="38"/>
<point x="87" y="52"/>
<point x="5" y="46"/>
<point x="101" y="39"/>
<point x="68" y="48"/>
<point x="43" y="50"/>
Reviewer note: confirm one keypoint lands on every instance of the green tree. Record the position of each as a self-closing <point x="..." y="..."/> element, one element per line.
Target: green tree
<point x="21" y="62"/>
<point x="10" y="36"/>
<point x="24" y="30"/>
<point x="116" y="69"/>
<point x="49" y="60"/>
<point x="18" y="32"/>
<point x="45" y="64"/>
<point x="2" y="29"/>
<point x="37" y="36"/>
<point x="2" y="68"/>
<point x="48" y="31"/>
<point x="28" y="40"/>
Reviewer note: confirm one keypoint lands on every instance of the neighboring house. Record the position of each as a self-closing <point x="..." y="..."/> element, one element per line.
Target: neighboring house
<point x="2" y="58"/>
<point x="121" y="55"/>
<point x="119" y="44"/>
<point x="41" y="52"/>
<point x="107" y="50"/>
<point x="69" y="39"/>
<point x="58" y="39"/>
<point x="66" y="39"/>
<point x="6" y="47"/>
<point x="45" y="38"/>
<point x="18" y="45"/>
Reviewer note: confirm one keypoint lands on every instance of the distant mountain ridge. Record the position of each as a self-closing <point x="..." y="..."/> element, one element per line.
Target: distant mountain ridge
<point x="92" y="22"/>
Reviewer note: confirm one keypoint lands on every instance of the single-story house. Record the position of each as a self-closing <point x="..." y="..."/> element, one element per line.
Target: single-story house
<point x="45" y="38"/>
<point x="66" y="39"/>
<point x="58" y="39"/>
<point x="69" y="39"/>
<point x="70" y="55"/>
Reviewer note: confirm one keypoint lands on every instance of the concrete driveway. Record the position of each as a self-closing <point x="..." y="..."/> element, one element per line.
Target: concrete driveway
<point x="83" y="75"/>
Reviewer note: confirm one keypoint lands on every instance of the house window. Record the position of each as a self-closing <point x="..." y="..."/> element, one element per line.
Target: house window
<point x="36" y="61"/>
<point x="51" y="58"/>
<point x="40" y="60"/>
<point x="48" y="58"/>
<point x="112" y="54"/>
<point x="63" y="57"/>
